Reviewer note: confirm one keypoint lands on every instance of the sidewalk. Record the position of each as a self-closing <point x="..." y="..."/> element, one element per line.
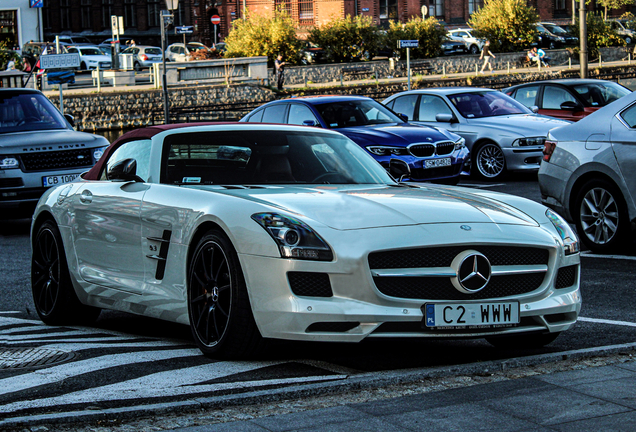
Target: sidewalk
<point x="591" y="399"/>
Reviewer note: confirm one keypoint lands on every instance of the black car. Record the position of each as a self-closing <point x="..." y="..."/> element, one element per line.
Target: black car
<point x="547" y="39"/>
<point x="556" y="30"/>
<point x="311" y="54"/>
<point x="452" y="47"/>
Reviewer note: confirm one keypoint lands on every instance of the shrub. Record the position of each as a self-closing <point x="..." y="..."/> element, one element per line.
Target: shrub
<point x="348" y="39"/>
<point x="6" y="55"/>
<point x="260" y="35"/>
<point x="428" y="31"/>
<point x="509" y="25"/>
<point x="598" y="34"/>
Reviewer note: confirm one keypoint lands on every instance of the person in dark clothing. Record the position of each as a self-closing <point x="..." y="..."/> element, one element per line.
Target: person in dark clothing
<point x="279" y="64"/>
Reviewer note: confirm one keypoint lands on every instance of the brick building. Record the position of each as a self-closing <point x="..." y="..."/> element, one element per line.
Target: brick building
<point x="91" y="18"/>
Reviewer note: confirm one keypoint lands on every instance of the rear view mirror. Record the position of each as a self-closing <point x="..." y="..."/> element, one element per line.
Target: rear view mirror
<point x="399" y="169"/>
<point x="403" y="117"/>
<point x="124" y="170"/>
<point x="444" y="118"/>
<point x="571" y="105"/>
<point x="69" y="118"/>
<point x="309" y="123"/>
<point x="534" y="109"/>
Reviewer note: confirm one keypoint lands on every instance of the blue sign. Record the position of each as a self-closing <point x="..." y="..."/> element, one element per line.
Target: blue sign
<point x="365" y="9"/>
<point x="408" y="44"/>
<point x="60" y="77"/>
<point x="184" y="29"/>
<point x="36" y="3"/>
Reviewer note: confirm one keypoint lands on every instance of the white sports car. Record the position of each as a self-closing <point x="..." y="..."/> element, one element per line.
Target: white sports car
<point x="252" y="231"/>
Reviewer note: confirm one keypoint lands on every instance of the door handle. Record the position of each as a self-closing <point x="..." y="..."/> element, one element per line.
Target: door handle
<point x="86" y="197"/>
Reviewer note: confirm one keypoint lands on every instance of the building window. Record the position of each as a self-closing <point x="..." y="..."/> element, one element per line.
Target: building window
<point x="306" y="11"/>
<point x="559" y="5"/>
<point x="9" y="28"/>
<point x="439" y="8"/>
<point x="85" y="6"/>
<point x="130" y="13"/>
<point x="107" y="11"/>
<point x="474" y="6"/>
<point x="388" y="9"/>
<point x="284" y="5"/>
<point x="154" y="9"/>
<point x="65" y="15"/>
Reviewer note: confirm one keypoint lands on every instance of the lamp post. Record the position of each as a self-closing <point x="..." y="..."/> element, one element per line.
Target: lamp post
<point x="583" y="39"/>
<point x="166" y="18"/>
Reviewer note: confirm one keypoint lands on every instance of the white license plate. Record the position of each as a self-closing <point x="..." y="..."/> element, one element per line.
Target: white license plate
<point x="471" y="315"/>
<point x="434" y="163"/>
<point x="49" y="181"/>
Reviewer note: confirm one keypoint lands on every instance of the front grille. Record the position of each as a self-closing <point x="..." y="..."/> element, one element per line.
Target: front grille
<point x="11" y="182"/>
<point x="433" y="173"/>
<point x="445" y="148"/>
<point x="566" y="276"/>
<point x="440" y="288"/>
<point x="57" y="160"/>
<point x="443" y="256"/>
<point x="422" y="150"/>
<point x="310" y="284"/>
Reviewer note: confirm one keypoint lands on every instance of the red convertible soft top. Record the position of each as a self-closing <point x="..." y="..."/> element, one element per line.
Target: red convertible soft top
<point x="145" y="133"/>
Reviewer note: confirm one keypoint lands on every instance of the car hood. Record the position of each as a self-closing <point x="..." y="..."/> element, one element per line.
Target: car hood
<point x="527" y="124"/>
<point x="394" y="133"/>
<point x="47" y="140"/>
<point x="358" y="207"/>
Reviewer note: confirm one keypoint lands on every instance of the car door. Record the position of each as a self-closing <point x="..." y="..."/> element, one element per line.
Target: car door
<point x="106" y="226"/>
<point x="552" y="98"/>
<point x="623" y="138"/>
<point x="427" y="109"/>
<point x="300" y="114"/>
<point x="405" y="105"/>
<point x="527" y="95"/>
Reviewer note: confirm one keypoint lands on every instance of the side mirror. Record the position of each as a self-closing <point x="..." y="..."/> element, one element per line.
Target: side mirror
<point x="124" y="170"/>
<point x="571" y="105"/>
<point x="403" y="117"/>
<point x="534" y="109"/>
<point x="69" y="118"/>
<point x="399" y="169"/>
<point x="309" y="123"/>
<point x="445" y="118"/>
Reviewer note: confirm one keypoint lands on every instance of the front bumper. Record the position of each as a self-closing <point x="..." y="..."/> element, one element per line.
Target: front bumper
<point x="420" y="173"/>
<point x="523" y="158"/>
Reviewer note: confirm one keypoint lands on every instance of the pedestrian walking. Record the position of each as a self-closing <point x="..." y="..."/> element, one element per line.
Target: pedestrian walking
<point x="279" y="64"/>
<point x="486" y="55"/>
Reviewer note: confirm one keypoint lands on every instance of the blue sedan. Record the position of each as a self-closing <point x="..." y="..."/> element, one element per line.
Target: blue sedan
<point x="431" y="154"/>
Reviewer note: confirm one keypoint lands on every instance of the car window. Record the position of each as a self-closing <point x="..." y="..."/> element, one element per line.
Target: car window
<point x="257" y="117"/>
<point x="356" y="113"/>
<point x="28" y="112"/>
<point x="127" y="51"/>
<point x="275" y="113"/>
<point x="554" y="96"/>
<point x="405" y="105"/>
<point x="138" y="150"/>
<point x="527" y="95"/>
<point x="430" y="106"/>
<point x="629" y="116"/>
<point x="486" y="104"/>
<point x="72" y="50"/>
<point x="601" y="94"/>
<point x="299" y="113"/>
<point x="155" y="51"/>
<point x="90" y="51"/>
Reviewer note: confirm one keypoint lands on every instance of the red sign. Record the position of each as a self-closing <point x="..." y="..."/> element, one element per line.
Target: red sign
<point x="215" y="19"/>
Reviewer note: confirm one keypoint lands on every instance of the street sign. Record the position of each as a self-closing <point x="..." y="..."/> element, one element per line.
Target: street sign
<point x="60" y="61"/>
<point x="36" y="3"/>
<point x="215" y="19"/>
<point x="408" y="43"/>
<point x="184" y="29"/>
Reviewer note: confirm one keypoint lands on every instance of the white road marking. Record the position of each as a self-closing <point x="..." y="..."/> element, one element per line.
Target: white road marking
<point x="41" y="337"/>
<point x="7" y="321"/>
<point x="588" y="254"/>
<point x="9" y="312"/>
<point x="604" y="321"/>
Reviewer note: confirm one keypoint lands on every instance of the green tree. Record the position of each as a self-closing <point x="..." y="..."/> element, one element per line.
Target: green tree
<point x="348" y="39"/>
<point x="613" y="4"/>
<point x="428" y="32"/>
<point x="259" y="35"/>
<point x="509" y="25"/>
<point x="598" y="34"/>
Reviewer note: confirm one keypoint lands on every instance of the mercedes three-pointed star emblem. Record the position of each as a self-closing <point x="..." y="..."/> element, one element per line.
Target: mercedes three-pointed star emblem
<point x="472" y="271"/>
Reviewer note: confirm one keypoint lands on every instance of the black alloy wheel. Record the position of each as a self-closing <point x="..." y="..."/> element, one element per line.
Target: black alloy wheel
<point x="53" y="293"/>
<point x="221" y="318"/>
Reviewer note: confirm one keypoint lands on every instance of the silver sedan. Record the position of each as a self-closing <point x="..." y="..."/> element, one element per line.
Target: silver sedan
<point x="501" y="134"/>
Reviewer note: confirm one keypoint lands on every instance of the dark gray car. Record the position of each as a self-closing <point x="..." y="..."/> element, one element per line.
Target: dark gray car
<point x="588" y="174"/>
<point x="501" y="133"/>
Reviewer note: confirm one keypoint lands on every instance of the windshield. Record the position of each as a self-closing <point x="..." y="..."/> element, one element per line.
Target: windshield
<point x="356" y="113"/>
<point x="156" y="51"/>
<point x="91" y="51"/>
<point x="28" y="112"/>
<point x="601" y="94"/>
<point x="557" y="30"/>
<point x="268" y="157"/>
<point x="486" y="104"/>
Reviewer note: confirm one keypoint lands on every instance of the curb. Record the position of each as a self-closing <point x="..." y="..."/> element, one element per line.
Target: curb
<point x="362" y="381"/>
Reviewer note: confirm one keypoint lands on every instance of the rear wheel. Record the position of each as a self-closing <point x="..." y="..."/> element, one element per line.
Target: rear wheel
<point x="53" y="293"/>
<point x="474" y="49"/>
<point x="489" y="161"/>
<point x="220" y="312"/>
<point x="521" y="341"/>
<point x="137" y="67"/>
<point x="83" y="66"/>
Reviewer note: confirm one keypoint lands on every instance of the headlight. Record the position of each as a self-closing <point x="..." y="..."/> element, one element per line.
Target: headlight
<point x="532" y="141"/>
<point x="295" y="239"/>
<point x="569" y="238"/>
<point x="386" y="150"/>
<point x="460" y="144"/>
<point x="8" y="162"/>
<point x="98" y="153"/>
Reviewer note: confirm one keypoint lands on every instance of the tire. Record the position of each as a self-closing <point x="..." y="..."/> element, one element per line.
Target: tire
<point x="489" y="162"/>
<point x="220" y="313"/>
<point x="83" y="66"/>
<point x="600" y="215"/>
<point x="474" y="49"/>
<point x="53" y="294"/>
<point x="137" y="67"/>
<point x="523" y="341"/>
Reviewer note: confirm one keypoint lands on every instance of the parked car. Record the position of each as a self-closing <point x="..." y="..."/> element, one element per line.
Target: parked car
<point x="547" y="39"/>
<point x="556" y="30"/>
<point x="32" y="51"/>
<point x="501" y="134"/>
<point x="311" y="54"/>
<point x="473" y="44"/>
<point x="588" y="175"/>
<point x="568" y="99"/>
<point x="430" y="154"/>
<point x="108" y="44"/>
<point x="72" y="40"/>
<point x="178" y="52"/>
<point x="90" y="57"/>
<point x="453" y="47"/>
<point x="259" y="246"/>
<point x="38" y="149"/>
<point x="619" y="27"/>
<point x="144" y="56"/>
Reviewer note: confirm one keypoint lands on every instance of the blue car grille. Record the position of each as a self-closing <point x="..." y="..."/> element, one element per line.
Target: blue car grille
<point x="445" y="148"/>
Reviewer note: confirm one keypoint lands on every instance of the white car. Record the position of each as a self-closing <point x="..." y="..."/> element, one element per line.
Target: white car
<point x="250" y="232"/>
<point x="473" y="44"/>
<point x="178" y="52"/>
<point x="91" y="57"/>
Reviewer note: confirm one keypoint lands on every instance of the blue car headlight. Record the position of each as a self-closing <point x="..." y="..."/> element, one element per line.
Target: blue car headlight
<point x="295" y="239"/>
<point x="460" y="144"/>
<point x="568" y="236"/>
<point x="387" y="150"/>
